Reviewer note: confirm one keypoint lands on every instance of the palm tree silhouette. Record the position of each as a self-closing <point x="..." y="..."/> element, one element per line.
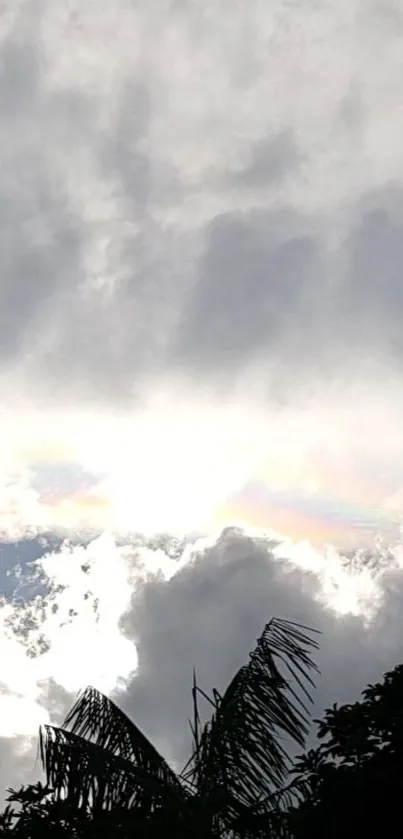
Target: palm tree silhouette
<point x="234" y="784"/>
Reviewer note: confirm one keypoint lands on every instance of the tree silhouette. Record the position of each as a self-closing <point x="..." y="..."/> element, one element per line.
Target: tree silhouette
<point x="353" y="783"/>
<point x="105" y="778"/>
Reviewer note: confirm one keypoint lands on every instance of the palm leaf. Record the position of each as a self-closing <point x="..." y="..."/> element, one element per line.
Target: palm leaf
<point x="101" y="756"/>
<point x="240" y="757"/>
<point x="97" y="718"/>
<point x="86" y="774"/>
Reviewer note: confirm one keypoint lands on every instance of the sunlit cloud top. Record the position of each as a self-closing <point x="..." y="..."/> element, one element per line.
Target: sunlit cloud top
<point x="183" y="467"/>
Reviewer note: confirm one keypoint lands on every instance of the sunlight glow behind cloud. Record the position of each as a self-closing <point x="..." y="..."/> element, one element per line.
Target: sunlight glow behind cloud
<point x="322" y="471"/>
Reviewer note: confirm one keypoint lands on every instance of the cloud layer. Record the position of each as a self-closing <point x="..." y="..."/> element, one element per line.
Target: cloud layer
<point x="187" y="212"/>
<point x="201" y="217"/>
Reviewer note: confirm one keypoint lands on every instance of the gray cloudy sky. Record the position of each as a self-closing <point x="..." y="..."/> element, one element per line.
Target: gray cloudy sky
<point x="201" y="227"/>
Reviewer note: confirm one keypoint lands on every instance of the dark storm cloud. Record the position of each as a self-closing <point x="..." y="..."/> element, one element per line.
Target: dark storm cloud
<point x="140" y="182"/>
<point x="19" y="79"/>
<point x="261" y="291"/>
<point x="371" y="298"/>
<point x="124" y="155"/>
<point x="270" y="162"/>
<point x="40" y="236"/>
<point x="255" y="276"/>
<point x="72" y="336"/>
<point x="37" y="266"/>
<point x="350" y="112"/>
<point x="267" y="292"/>
<point x="258" y="284"/>
<point x="210" y="615"/>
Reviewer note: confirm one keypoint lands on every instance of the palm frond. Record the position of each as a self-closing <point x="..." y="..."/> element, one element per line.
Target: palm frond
<point x="240" y="754"/>
<point x="86" y="774"/>
<point x="100" y="757"/>
<point x="97" y="718"/>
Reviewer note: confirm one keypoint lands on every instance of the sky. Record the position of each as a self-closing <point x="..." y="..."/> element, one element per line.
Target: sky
<point x="201" y="356"/>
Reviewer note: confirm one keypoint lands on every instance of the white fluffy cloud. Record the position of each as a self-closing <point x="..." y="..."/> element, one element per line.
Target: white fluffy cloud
<point x="201" y="220"/>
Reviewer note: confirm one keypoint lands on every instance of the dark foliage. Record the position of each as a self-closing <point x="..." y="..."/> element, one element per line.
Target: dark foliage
<point x="104" y="778"/>
<point x="354" y="780"/>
